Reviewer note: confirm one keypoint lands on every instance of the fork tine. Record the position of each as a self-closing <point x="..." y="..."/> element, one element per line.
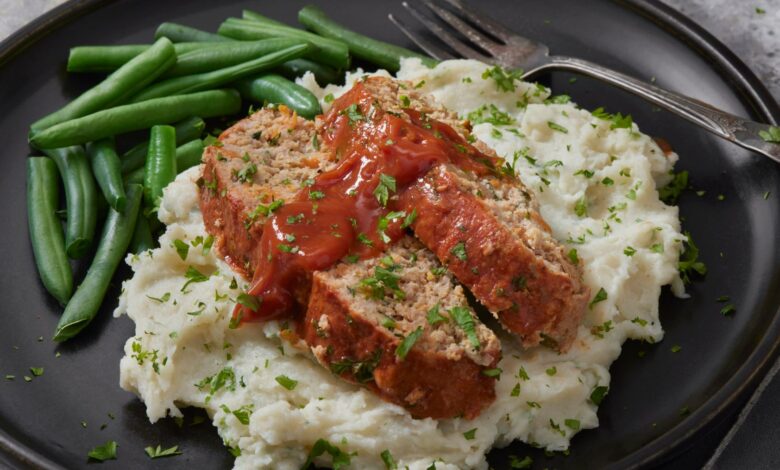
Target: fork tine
<point x="423" y="43"/>
<point x="488" y="24"/>
<point x="461" y="26"/>
<point x="445" y="36"/>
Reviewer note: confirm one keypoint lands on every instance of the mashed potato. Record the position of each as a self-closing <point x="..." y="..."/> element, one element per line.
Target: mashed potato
<point x="596" y="181"/>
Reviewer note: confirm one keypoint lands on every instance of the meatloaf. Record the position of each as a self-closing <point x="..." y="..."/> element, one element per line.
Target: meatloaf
<point x="353" y="320"/>
<point x="488" y="231"/>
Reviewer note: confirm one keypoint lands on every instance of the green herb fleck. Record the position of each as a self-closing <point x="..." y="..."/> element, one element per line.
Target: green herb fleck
<point x="286" y="382"/>
<point x="159" y="452"/>
<point x="105" y="452"/>
<point x="408" y="342"/>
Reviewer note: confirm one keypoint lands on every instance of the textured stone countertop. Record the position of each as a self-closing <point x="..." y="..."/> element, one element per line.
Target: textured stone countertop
<point x="751" y="29"/>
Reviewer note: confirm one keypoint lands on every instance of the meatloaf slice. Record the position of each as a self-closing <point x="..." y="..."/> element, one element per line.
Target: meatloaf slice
<point x="261" y="160"/>
<point x="361" y="317"/>
<point x="488" y="231"/>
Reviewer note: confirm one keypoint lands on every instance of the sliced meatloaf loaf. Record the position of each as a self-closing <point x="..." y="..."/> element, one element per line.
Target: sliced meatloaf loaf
<point x="358" y="314"/>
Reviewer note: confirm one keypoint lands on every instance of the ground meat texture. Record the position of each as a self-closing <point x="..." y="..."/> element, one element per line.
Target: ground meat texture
<point x="356" y="333"/>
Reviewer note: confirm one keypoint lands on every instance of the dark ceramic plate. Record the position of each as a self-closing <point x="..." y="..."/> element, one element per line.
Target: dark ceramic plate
<point x="641" y="420"/>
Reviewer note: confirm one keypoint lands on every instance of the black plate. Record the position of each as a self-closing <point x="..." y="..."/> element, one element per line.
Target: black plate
<point x="641" y="423"/>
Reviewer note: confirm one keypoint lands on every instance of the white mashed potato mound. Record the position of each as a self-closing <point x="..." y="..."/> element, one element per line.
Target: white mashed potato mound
<point x="597" y="190"/>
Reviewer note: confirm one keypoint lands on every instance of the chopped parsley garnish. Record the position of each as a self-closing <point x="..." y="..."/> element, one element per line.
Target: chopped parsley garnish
<point x="573" y="424"/>
<point x="598" y="394"/>
<point x="657" y="248"/>
<point x="557" y="427"/>
<point x="36" y="371"/>
<point x="162" y="299"/>
<point x="105" y="452"/>
<point x="386" y="456"/>
<point x="465" y="321"/>
<point x="363" y="238"/>
<point x="727" y="310"/>
<point x="557" y="127"/>
<point x="405" y="101"/>
<point x="459" y="251"/>
<point x="286" y="382"/>
<point x="159" y="452"/>
<point x="573" y="256"/>
<point x="409" y="219"/>
<point x="581" y="207"/>
<point x="772" y="135"/>
<point x="288" y="248"/>
<point x="353" y="113"/>
<point x="522" y="374"/>
<point x="490" y="114"/>
<point x="225" y="378"/>
<point x="515" y="391"/>
<point x="408" y="342"/>
<point x="558" y="99"/>
<point x="249" y="301"/>
<point x="362" y="370"/>
<point x="629" y="251"/>
<point x="516" y="463"/>
<point x="383" y="279"/>
<point x="676" y="348"/>
<point x="689" y="261"/>
<point x="434" y="317"/>
<point x="339" y="458"/>
<point x="316" y="195"/>
<point x="328" y="98"/>
<point x="607" y="181"/>
<point x="383" y="189"/>
<point x="533" y="404"/>
<point x="182" y="248"/>
<point x="193" y="275"/>
<point x="639" y="321"/>
<point x="601" y="296"/>
<point x="672" y="191"/>
<point x="245" y="174"/>
<point x="505" y="79"/>
<point x="621" y="122"/>
<point x="495" y="372"/>
<point x="470" y="434"/>
<point x="551" y="371"/>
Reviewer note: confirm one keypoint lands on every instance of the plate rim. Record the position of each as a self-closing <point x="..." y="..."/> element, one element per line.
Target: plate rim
<point x="732" y="69"/>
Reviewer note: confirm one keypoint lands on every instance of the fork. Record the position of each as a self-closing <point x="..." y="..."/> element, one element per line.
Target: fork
<point x="510" y="50"/>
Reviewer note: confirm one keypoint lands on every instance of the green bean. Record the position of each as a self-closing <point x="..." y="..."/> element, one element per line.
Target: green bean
<point x="110" y="58"/>
<point x="295" y="68"/>
<point x="186" y="130"/>
<point x="117" y="87"/>
<point x="187" y="156"/>
<point x="181" y="33"/>
<point x="331" y="52"/>
<point x="137" y="116"/>
<point x="214" y="58"/>
<point x="386" y="56"/>
<point x="277" y="89"/>
<point x="217" y="78"/>
<point x="85" y="303"/>
<point x="106" y="168"/>
<point x="254" y="16"/>
<point x="45" y="228"/>
<point x="160" y="168"/>
<point x="80" y="198"/>
<point x="142" y="236"/>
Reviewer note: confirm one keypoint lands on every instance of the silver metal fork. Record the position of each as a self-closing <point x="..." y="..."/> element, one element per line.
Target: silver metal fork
<point x="510" y="50"/>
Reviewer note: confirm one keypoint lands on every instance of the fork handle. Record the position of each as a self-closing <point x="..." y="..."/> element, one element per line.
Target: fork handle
<point x="741" y="131"/>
